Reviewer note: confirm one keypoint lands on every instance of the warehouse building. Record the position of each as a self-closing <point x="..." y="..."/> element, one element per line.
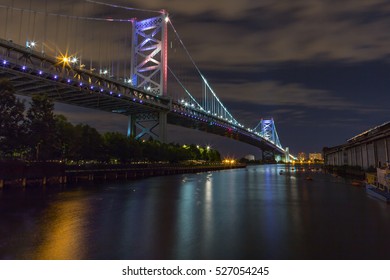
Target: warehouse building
<point x="368" y="149"/>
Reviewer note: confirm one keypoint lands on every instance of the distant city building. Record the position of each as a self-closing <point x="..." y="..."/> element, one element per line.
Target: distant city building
<point x="250" y="157"/>
<point x="315" y="156"/>
<point x="301" y="156"/>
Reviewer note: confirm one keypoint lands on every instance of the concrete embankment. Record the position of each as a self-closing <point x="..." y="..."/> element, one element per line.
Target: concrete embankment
<point x="49" y="173"/>
<point x="354" y="172"/>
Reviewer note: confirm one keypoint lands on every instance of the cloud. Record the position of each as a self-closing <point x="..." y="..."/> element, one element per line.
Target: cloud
<point x="231" y="33"/>
<point x="313" y="30"/>
<point x="276" y="93"/>
<point x="225" y="9"/>
<point x="294" y="104"/>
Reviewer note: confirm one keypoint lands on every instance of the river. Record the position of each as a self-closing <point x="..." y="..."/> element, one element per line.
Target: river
<point x="252" y="213"/>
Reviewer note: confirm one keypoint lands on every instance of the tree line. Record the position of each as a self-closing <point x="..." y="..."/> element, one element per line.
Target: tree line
<point x="38" y="134"/>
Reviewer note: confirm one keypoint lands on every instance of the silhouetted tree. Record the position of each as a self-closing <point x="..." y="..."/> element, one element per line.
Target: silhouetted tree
<point x="214" y="155"/>
<point x="135" y="149"/>
<point x="151" y="150"/>
<point x="118" y="146"/>
<point x="89" y="143"/>
<point x="41" y="127"/>
<point x="11" y="120"/>
<point x="195" y="152"/>
<point x="65" y="138"/>
<point x="50" y="136"/>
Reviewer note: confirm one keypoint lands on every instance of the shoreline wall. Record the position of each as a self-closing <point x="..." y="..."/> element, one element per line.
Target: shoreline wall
<point x="42" y="174"/>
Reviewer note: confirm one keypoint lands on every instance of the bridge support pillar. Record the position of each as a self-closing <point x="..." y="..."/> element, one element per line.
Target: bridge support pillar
<point x="268" y="156"/>
<point x="131" y="127"/>
<point x="287" y="155"/>
<point x="162" y="122"/>
<point x="144" y="125"/>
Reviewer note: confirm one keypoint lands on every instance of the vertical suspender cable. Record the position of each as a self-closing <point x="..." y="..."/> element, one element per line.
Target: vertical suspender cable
<point x="125" y="60"/>
<point x="100" y="54"/>
<point x="205" y="96"/>
<point x="44" y="28"/>
<point x="28" y="23"/>
<point x="6" y="24"/>
<point x="73" y="32"/>
<point x="206" y="99"/>
<point x="76" y="44"/>
<point x="67" y="34"/>
<point x="215" y="110"/>
<point x="20" y="27"/>
<point x="90" y="56"/>
<point x="83" y="33"/>
<point x="108" y="41"/>
<point x="12" y="11"/>
<point x="57" y="31"/>
<point x="115" y="63"/>
<point x="33" y="25"/>
<point x="107" y="61"/>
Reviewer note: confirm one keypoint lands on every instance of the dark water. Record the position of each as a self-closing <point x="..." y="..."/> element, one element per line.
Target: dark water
<point x="252" y="213"/>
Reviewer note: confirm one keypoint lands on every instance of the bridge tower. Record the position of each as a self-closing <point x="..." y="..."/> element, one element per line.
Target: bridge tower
<point x="268" y="131"/>
<point x="287" y="155"/>
<point x="149" y="64"/>
<point x="266" y="128"/>
<point x="149" y="54"/>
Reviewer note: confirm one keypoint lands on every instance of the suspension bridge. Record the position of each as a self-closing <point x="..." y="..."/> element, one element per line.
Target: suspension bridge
<point x="137" y="68"/>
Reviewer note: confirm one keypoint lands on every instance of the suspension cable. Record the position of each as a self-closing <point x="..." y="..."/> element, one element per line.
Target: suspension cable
<point x="123" y="7"/>
<point x="200" y="73"/>
<point x="70" y="16"/>
<point x="185" y="89"/>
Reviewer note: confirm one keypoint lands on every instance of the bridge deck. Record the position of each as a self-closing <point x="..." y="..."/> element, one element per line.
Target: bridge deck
<point x="32" y="72"/>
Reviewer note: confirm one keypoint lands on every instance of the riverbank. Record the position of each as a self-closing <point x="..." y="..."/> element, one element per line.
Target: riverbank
<point x="22" y="174"/>
<point x="353" y="172"/>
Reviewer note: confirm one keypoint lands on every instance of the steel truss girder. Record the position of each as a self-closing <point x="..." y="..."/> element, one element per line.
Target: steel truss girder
<point x="268" y="155"/>
<point x="144" y="124"/>
<point x="32" y="72"/>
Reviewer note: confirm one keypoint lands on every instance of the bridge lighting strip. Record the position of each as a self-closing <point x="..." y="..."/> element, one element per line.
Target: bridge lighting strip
<point x="223" y="125"/>
<point x="68" y="80"/>
<point x="6" y="63"/>
<point x="243" y="131"/>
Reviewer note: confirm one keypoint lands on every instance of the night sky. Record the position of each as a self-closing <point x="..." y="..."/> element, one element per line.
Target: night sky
<point x="319" y="68"/>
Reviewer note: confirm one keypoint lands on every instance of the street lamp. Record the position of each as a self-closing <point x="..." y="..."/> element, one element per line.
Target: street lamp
<point x="30" y="44"/>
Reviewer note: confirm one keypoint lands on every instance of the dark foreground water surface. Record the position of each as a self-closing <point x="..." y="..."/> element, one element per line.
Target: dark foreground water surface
<point x="252" y="213"/>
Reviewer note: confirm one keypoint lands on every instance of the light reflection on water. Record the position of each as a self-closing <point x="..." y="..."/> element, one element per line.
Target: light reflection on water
<point x="252" y="213"/>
